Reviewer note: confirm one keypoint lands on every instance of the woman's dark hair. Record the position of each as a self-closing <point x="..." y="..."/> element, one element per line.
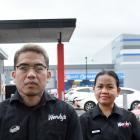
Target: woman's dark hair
<point x="110" y="73"/>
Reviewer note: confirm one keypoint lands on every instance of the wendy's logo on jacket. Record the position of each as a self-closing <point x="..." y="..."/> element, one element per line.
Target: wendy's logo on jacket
<point x="60" y="117"/>
<point x="14" y="128"/>
<point x="124" y="124"/>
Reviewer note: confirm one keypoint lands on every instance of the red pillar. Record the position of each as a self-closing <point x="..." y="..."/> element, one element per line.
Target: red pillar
<point x="60" y="69"/>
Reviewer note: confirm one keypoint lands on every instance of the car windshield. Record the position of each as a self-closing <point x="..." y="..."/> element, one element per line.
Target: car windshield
<point x="69" y="90"/>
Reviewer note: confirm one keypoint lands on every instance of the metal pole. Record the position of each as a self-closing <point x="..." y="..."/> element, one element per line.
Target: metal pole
<point x="125" y="101"/>
<point x="60" y="67"/>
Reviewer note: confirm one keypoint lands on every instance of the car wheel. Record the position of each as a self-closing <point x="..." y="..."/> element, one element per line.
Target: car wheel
<point x="89" y="105"/>
<point x="134" y="104"/>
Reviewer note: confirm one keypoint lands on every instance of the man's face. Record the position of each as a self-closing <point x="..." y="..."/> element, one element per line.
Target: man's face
<point x="31" y="74"/>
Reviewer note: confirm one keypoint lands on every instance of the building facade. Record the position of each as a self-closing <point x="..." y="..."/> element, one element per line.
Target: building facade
<point x="126" y="58"/>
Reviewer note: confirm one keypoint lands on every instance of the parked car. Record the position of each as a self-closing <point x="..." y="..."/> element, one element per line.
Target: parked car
<point x="81" y="97"/>
<point x="72" y="92"/>
<point x="129" y="98"/>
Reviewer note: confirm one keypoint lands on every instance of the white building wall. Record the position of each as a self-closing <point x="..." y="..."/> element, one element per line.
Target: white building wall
<point x="104" y="56"/>
<point x="131" y="74"/>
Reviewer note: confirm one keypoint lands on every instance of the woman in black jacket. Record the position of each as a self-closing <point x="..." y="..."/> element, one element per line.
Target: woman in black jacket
<point x="107" y="121"/>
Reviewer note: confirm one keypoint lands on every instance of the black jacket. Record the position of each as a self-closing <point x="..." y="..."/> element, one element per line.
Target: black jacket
<point x="120" y="125"/>
<point x="52" y="119"/>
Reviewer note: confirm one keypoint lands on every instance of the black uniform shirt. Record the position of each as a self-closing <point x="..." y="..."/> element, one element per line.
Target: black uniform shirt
<point x="120" y="125"/>
<point x="52" y="119"/>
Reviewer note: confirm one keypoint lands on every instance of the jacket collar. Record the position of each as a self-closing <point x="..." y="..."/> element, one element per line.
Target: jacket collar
<point x="45" y="98"/>
<point x="96" y="111"/>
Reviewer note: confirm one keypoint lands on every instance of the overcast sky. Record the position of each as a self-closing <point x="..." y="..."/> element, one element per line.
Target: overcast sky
<point x="98" y="23"/>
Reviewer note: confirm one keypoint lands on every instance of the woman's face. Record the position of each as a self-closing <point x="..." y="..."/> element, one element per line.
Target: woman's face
<point x="106" y="90"/>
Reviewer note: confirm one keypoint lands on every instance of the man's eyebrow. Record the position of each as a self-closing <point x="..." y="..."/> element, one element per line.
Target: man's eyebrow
<point x="22" y="64"/>
<point x="33" y="64"/>
<point x="40" y="64"/>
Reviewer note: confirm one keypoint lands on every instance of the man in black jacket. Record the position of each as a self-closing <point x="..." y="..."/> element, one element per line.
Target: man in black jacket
<point x="32" y="114"/>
